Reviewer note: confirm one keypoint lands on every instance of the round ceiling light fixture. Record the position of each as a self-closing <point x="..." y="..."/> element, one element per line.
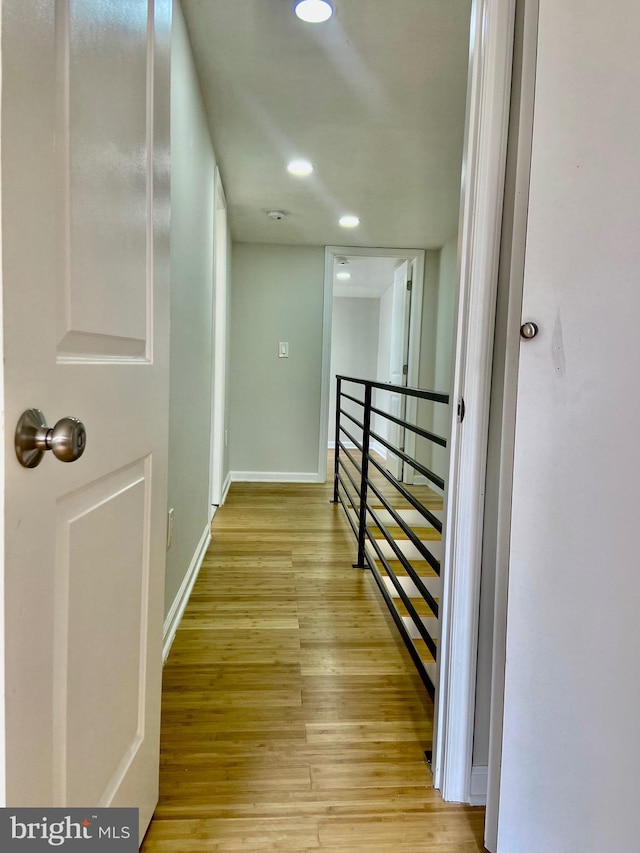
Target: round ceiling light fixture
<point x="300" y="168"/>
<point x="343" y="276"/>
<point x="313" y="11"/>
<point x="349" y="221"/>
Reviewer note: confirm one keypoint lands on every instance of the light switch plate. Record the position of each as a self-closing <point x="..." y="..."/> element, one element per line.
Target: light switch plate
<point x="283" y="349"/>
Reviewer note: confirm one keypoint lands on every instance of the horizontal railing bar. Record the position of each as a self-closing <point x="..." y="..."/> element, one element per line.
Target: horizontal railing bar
<point x="353" y="461"/>
<point x="422" y="548"/>
<point x="407" y="565"/>
<point x="351" y="418"/>
<point x="351" y="438"/>
<point x="415" y="503"/>
<point x="417" y="619"/>
<point x="354" y="526"/>
<point x="415" y="577"/>
<point x="422" y="672"/>
<point x="435" y="396"/>
<point x="351" y="480"/>
<point x="353" y="399"/>
<point x="424" y="433"/>
<point x="347" y="492"/>
<point x="438" y="481"/>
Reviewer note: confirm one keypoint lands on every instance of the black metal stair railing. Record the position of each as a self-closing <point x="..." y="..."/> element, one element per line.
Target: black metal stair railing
<point x="366" y="488"/>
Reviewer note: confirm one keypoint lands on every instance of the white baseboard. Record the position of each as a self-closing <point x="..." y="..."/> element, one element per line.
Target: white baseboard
<point x="421" y="480"/>
<point x="225" y="488"/>
<point x="274" y="477"/>
<point x="479" y="777"/>
<point x="174" y="615"/>
<point x="380" y="449"/>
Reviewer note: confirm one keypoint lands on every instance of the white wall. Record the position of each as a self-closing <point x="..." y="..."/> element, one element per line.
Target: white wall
<point x="383" y="374"/>
<point x="354" y="352"/>
<point x="192" y="212"/>
<point x="428" y="352"/>
<point x="436" y="350"/>
<point x="277" y="295"/>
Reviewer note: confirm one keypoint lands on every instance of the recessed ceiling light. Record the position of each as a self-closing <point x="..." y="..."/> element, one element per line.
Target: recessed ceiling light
<point x="343" y="276"/>
<point x="349" y="221"/>
<point x="301" y="168"/>
<point x="314" y="11"/>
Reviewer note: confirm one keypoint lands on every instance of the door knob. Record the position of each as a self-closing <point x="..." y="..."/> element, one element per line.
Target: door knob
<point x="528" y="331"/>
<point x="67" y="439"/>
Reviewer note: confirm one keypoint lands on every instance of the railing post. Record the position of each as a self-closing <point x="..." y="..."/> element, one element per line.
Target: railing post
<point x="336" y="466"/>
<point x="362" y="526"/>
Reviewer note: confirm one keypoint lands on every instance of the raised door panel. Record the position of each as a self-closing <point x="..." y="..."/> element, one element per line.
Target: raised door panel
<point x="103" y="195"/>
<point x="100" y="634"/>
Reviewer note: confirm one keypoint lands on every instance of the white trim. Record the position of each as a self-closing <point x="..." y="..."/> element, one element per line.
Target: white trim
<point x="416" y="258"/>
<point x="219" y="342"/>
<point x="174" y="616"/>
<point x="512" y="268"/>
<point x="479" y="776"/>
<point x="275" y="477"/>
<point x="491" y="49"/>
<point x="325" y="377"/>
<point x="421" y="480"/>
<point x="417" y="263"/>
<point x="225" y="488"/>
<point x="374" y="445"/>
<point x="380" y="449"/>
<point x="3" y="763"/>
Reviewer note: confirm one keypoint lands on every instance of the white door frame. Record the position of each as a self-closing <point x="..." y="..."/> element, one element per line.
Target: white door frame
<point x="416" y="260"/>
<point x="3" y="753"/>
<point x="484" y="160"/>
<point x="512" y="278"/>
<point x="219" y="347"/>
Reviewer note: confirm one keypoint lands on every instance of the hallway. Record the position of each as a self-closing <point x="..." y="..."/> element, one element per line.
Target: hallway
<point x="293" y="718"/>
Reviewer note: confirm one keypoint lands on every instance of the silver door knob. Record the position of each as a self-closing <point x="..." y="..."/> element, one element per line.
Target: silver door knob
<point x="528" y="331"/>
<point x="67" y="439"/>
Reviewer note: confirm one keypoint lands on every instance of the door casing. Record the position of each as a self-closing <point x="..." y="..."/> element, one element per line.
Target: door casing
<point x="416" y="260"/>
<point x="484" y="162"/>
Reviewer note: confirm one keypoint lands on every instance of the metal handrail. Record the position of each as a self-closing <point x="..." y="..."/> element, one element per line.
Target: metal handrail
<point x="359" y="510"/>
<point x="435" y="396"/>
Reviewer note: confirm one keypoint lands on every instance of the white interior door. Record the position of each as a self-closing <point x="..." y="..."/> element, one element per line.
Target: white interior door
<point x="398" y="357"/>
<point x="571" y="749"/>
<point x="85" y="216"/>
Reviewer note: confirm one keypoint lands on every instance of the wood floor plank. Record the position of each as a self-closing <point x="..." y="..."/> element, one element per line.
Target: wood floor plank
<point x="293" y="717"/>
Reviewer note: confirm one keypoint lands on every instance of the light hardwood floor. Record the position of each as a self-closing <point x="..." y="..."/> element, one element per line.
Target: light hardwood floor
<point x="293" y="719"/>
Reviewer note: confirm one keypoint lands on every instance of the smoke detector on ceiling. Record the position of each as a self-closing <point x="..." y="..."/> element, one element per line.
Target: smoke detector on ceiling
<point x="276" y="215"/>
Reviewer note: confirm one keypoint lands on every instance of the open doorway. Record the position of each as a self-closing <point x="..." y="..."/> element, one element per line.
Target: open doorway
<point x="372" y="321"/>
<point x="370" y="335"/>
<point x="392" y="320"/>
